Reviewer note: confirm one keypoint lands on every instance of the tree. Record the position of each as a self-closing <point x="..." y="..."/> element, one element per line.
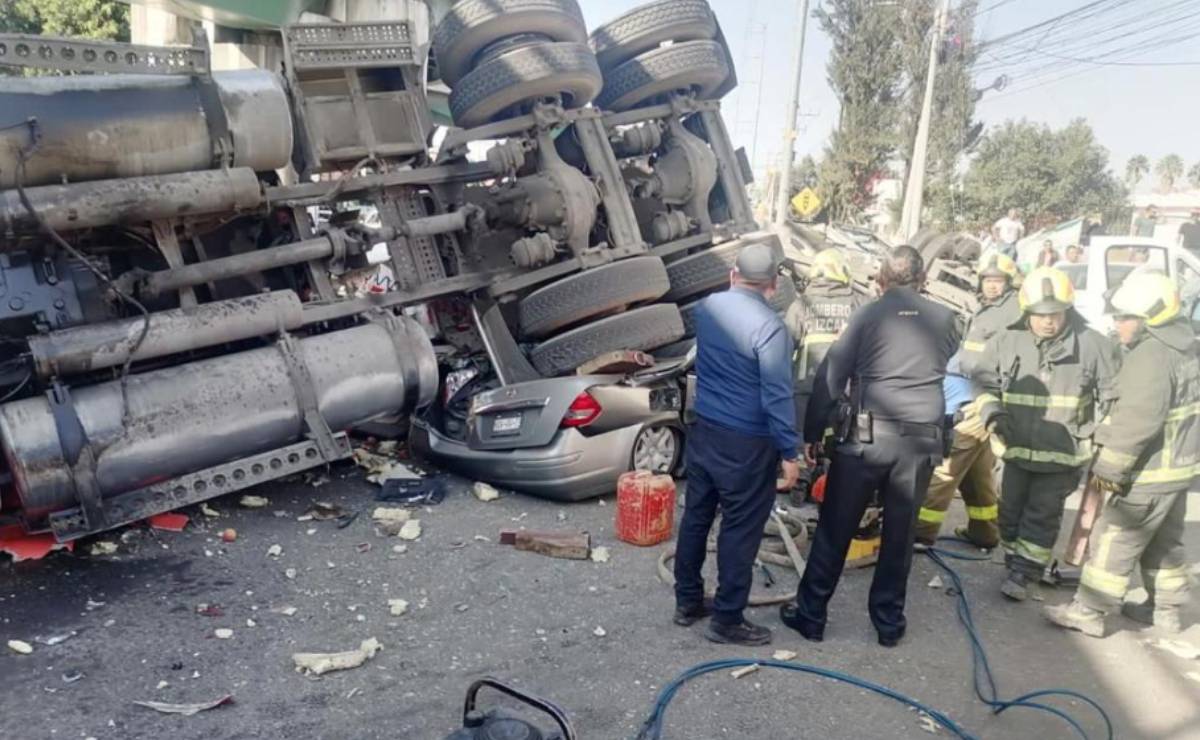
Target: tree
<point x="1136" y="168"/>
<point x="1194" y="175"/>
<point x="952" y="129"/>
<point x="1049" y="176"/>
<point x="1168" y="170"/>
<point x="96" y="19"/>
<point x="864" y="72"/>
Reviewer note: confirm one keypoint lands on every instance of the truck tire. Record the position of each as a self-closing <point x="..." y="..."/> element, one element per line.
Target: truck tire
<point x="473" y="25"/>
<point x="640" y="329"/>
<point x="674" y="349"/>
<point x="595" y="292"/>
<point x="784" y="297"/>
<point x="646" y="27"/>
<point x="697" y="65"/>
<point x="526" y="73"/>
<point x="701" y="272"/>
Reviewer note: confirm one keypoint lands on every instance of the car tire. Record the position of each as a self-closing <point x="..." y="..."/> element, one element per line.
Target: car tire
<point x="648" y="26"/>
<point x="595" y="292"/>
<point x="472" y="25"/>
<point x="697" y="65"/>
<point x="657" y="448"/>
<point x="522" y="74"/>
<point x="639" y="329"/>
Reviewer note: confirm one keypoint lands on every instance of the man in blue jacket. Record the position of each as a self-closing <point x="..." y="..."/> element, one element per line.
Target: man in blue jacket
<point x="746" y="425"/>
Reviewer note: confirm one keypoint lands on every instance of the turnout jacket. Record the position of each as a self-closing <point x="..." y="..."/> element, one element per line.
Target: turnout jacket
<point x="989" y="320"/>
<point x="1151" y="438"/>
<point x="1053" y="391"/>
<point x="816" y="319"/>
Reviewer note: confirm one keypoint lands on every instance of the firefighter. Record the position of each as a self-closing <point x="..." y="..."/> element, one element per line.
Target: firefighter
<point x="1046" y="381"/>
<point x="892" y="357"/>
<point x="971" y="463"/>
<point x="815" y="320"/>
<point x="1149" y="452"/>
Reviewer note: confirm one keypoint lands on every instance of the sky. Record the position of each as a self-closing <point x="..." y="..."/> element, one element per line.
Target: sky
<point x="1150" y="110"/>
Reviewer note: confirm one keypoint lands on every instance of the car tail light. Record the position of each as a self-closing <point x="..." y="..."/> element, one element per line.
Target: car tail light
<point x="582" y="411"/>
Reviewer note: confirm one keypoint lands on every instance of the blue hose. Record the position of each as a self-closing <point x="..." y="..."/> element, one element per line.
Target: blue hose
<point x="983" y="679"/>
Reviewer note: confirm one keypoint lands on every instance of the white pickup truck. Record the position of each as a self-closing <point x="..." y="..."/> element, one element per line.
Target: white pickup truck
<point x="1110" y="259"/>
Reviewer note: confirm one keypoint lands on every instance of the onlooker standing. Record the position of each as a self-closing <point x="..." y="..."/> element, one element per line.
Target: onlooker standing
<point x="746" y="424"/>
<point x="1007" y="232"/>
<point x="1048" y="257"/>
<point x="1189" y="233"/>
<point x="1075" y="254"/>
<point x="1144" y="224"/>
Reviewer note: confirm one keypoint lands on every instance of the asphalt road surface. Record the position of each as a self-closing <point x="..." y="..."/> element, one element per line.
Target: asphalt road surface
<point x="596" y="638"/>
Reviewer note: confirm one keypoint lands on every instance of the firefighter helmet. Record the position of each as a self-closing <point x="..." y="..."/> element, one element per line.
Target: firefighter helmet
<point x="1047" y="290"/>
<point x="997" y="264"/>
<point x="1148" y="295"/>
<point x="831" y="265"/>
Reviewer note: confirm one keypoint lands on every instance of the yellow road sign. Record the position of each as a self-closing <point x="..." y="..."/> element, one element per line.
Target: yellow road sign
<point x="807" y="203"/>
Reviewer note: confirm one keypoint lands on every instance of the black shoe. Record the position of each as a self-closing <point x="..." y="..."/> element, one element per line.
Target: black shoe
<point x="789" y="614"/>
<point x="890" y="640"/>
<point x="743" y="633"/>
<point x="686" y="616"/>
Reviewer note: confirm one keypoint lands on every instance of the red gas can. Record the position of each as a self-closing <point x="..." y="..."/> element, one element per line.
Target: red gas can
<point x="645" y="508"/>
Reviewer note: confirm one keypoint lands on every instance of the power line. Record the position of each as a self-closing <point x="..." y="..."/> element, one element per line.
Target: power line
<point x="1048" y="22"/>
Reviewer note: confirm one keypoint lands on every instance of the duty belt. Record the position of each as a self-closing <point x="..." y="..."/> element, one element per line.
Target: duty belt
<point x="906" y="428"/>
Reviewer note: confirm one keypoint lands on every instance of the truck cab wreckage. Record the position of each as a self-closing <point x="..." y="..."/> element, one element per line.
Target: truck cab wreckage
<point x="172" y="323"/>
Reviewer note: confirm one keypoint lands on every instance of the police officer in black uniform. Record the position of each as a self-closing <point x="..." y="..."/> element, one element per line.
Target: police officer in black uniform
<point x="882" y="391"/>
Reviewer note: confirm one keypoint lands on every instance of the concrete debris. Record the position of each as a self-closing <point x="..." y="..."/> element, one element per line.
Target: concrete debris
<point x="744" y="671"/>
<point x="222" y="633"/>
<point x="316" y="664"/>
<point x="784" y="655"/>
<point x="72" y="677"/>
<point x="290" y="574"/>
<point x="20" y="646"/>
<point x="599" y="554"/>
<point x="228" y="535"/>
<point x="567" y="545"/>
<point x="186" y="710"/>
<point x="316" y="480"/>
<point x="481" y="538"/>
<point x="209" y="511"/>
<point x="321" y="511"/>
<point x="286" y="611"/>
<point x="1175" y="647"/>
<point x="411" y="530"/>
<point x="162" y="685"/>
<point x="253" y="502"/>
<point x="937" y="582"/>
<point x="251" y="623"/>
<point x="399" y="549"/>
<point x="460" y="608"/>
<point x="484" y="492"/>
<point x="927" y="724"/>
<point x="103" y="547"/>
<point x="274" y="551"/>
<point x="53" y="640"/>
<point x="391" y="514"/>
<point x="599" y="632"/>
<point x="381" y="468"/>
<point x="397" y="607"/>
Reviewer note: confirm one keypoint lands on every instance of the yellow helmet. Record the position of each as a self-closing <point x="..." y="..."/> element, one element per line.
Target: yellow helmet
<point x="995" y="264"/>
<point x="1148" y="295"/>
<point x="1047" y="290"/>
<point x="831" y="265"/>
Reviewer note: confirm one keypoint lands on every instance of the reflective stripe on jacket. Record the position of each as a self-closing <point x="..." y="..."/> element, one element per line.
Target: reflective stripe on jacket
<point x="816" y="319"/>
<point x="1054" y="392"/>
<point x="1151" y="438"/>
<point x="989" y="320"/>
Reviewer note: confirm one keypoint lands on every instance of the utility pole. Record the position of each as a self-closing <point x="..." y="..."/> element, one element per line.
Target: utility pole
<point x="910" y="219"/>
<point x="783" y="195"/>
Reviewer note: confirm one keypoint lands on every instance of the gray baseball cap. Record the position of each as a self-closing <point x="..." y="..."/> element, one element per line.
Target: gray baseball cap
<point x="757" y="263"/>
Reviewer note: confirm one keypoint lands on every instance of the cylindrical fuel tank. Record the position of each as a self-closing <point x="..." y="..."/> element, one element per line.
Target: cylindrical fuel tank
<point x="190" y="417"/>
<point x="93" y="127"/>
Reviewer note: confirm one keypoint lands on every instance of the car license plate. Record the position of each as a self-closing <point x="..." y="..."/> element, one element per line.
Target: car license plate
<point x="506" y="424"/>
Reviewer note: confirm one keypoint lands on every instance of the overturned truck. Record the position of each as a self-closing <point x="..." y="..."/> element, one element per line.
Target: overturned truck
<point x="173" y="325"/>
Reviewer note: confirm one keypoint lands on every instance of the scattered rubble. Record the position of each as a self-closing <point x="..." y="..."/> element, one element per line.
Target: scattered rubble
<point x="20" y="646"/>
<point x="253" y="502"/>
<point x="103" y="547"/>
<point x="290" y="574"/>
<point x="927" y="724"/>
<point x="599" y="632"/>
<point x="744" y="670"/>
<point x="397" y="607"/>
<point x="53" y="640"/>
<point x="22" y="546"/>
<point x="321" y="511"/>
<point x="222" y="633"/>
<point x="567" y="545"/>
<point x="937" y="582"/>
<point x="484" y="492"/>
<point x="275" y="551"/>
<point x="316" y="664"/>
<point x="186" y="710"/>
<point x="784" y="655"/>
<point x="209" y="511"/>
<point x="411" y="530"/>
<point x="286" y="611"/>
<point x="600" y="554"/>
<point x="169" y="522"/>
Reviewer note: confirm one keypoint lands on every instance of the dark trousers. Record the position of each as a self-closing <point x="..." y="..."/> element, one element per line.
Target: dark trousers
<point x="737" y="473"/>
<point x="899" y="468"/>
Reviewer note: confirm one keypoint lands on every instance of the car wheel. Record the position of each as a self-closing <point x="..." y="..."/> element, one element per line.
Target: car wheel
<point x="646" y="27"/>
<point x="522" y="74"/>
<point x="656" y="449"/>
<point x="640" y="329"/>
<point x="700" y="66"/>
<point x="595" y="292"/>
<point x="473" y="25"/>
